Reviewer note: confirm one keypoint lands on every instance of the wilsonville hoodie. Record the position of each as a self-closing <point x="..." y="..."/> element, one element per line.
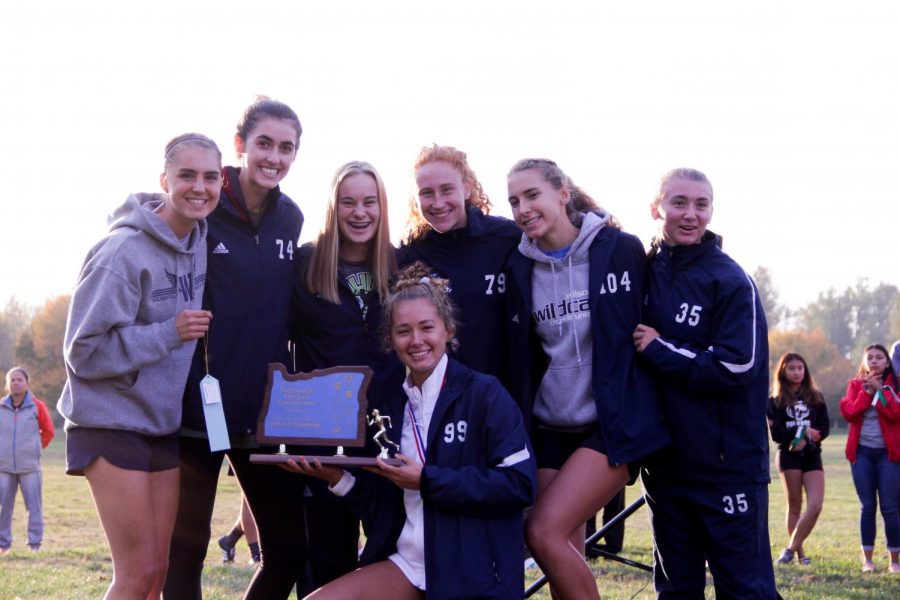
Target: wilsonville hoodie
<point x="125" y="361"/>
<point x="561" y="312"/>
<point x="625" y="403"/>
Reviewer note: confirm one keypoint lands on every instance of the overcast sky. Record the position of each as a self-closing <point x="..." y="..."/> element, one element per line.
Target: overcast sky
<point x="791" y="108"/>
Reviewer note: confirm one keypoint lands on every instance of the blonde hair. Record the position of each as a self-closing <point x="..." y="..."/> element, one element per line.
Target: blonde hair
<point x="416" y="224"/>
<point x="322" y="274"/>
<point x="174" y="145"/>
<point x="680" y="173"/>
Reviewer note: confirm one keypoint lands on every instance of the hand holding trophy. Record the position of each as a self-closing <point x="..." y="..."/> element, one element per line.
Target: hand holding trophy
<point x="325" y="407"/>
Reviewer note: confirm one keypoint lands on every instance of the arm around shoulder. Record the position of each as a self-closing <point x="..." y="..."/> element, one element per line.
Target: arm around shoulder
<point x="734" y="355"/>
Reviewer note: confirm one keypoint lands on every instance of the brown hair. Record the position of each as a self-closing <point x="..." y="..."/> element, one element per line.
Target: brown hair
<point x="781" y="392"/>
<point x="15" y="370"/>
<point x="579" y="200"/>
<point x="864" y="368"/>
<point x="264" y="107"/>
<point x="414" y="282"/>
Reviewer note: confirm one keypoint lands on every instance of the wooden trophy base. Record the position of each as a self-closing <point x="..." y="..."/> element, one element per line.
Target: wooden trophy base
<point x="337" y="460"/>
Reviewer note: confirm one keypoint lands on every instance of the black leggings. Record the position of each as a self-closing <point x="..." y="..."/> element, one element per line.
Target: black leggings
<point x="275" y="497"/>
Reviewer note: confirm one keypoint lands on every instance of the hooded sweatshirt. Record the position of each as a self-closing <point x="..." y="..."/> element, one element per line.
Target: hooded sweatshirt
<point x="125" y="361"/>
<point x="561" y="314"/>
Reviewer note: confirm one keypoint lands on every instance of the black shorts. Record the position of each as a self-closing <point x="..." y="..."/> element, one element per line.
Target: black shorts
<point x="553" y="447"/>
<point x="801" y="461"/>
<point x="124" y="449"/>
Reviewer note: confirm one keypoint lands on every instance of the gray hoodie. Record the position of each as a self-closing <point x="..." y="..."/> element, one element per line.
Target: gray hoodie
<point x="562" y="320"/>
<point x="125" y="361"/>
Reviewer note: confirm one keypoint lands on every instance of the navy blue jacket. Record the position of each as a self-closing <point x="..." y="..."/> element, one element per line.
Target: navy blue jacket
<point x="474" y="546"/>
<point x="250" y="275"/>
<point x="711" y="361"/>
<point x="329" y="335"/>
<point x="627" y="404"/>
<point x="472" y="258"/>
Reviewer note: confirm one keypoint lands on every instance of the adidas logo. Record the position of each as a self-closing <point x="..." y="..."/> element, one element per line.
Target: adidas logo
<point x="220" y="249"/>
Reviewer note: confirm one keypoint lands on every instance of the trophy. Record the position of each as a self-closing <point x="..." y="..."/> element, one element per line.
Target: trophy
<point x="325" y="407"/>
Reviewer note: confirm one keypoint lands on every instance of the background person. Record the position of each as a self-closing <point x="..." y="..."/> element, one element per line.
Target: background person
<point x="798" y="421"/>
<point x="133" y="322"/>
<point x="244" y="527"/>
<point x="705" y="338"/>
<point x="872" y="408"/>
<point x="25" y="429"/>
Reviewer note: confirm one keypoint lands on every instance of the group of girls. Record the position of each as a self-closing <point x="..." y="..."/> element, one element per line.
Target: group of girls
<point x="576" y="331"/>
<point x="558" y="304"/>
<point x="798" y="418"/>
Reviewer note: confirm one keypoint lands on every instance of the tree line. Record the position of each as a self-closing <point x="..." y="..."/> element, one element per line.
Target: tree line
<point x="830" y="332"/>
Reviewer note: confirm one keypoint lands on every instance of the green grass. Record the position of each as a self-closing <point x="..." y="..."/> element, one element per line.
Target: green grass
<point x="74" y="561"/>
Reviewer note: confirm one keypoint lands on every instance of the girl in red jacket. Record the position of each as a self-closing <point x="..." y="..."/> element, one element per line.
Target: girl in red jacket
<point x="872" y="408"/>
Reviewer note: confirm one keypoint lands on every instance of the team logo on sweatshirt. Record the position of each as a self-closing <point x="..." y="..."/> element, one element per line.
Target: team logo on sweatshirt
<point x="186" y="284"/>
<point x="575" y="305"/>
<point x="361" y="284"/>
<point x="798" y="414"/>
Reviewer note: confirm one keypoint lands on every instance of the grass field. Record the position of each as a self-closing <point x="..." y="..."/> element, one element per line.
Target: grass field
<point x="74" y="561"/>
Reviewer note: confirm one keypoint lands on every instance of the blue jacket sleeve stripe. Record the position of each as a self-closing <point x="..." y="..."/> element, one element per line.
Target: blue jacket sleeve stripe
<point x="735" y="368"/>
<point x="682" y="351"/>
<point x="515" y="458"/>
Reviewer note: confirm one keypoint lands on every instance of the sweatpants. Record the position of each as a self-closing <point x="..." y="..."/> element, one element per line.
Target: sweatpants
<point x="724" y="526"/>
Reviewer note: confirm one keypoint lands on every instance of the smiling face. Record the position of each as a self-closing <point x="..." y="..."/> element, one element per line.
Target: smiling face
<point x="876" y="361"/>
<point x="539" y="209"/>
<point x="419" y="337"/>
<point x="267" y="153"/>
<point x="685" y="209"/>
<point x="193" y="180"/>
<point x="442" y="195"/>
<point x="358" y="214"/>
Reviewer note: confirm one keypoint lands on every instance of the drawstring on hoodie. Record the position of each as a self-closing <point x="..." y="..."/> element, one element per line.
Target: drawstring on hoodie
<point x="572" y="294"/>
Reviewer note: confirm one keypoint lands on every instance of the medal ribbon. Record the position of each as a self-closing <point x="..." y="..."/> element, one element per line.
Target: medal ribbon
<point x="417" y="435"/>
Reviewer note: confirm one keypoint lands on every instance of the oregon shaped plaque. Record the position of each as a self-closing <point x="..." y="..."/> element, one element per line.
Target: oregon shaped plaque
<point x="325" y="407"/>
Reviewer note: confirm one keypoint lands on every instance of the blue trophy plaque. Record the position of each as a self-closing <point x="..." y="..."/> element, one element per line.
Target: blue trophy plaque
<point x="325" y="407"/>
